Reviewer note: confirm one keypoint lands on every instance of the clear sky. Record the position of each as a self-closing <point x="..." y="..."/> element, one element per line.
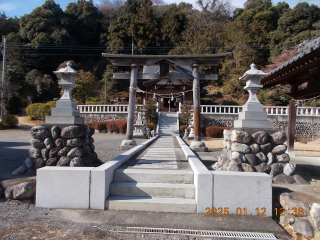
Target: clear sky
<point x="20" y="7"/>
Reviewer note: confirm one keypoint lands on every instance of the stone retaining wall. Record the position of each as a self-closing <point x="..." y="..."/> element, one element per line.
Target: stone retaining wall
<point x="96" y="117"/>
<point x="60" y="146"/>
<point x="257" y="152"/>
<point x="304" y="130"/>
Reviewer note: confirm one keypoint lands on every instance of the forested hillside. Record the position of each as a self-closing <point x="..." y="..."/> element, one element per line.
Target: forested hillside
<point x="39" y="42"/>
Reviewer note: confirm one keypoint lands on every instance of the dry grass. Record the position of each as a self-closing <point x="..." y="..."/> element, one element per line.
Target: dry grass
<point x="214" y="143"/>
<point x="306" y="149"/>
<point x="27" y="121"/>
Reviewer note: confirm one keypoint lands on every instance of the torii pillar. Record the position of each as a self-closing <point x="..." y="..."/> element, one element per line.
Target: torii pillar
<point x="129" y="143"/>
<point x="197" y="145"/>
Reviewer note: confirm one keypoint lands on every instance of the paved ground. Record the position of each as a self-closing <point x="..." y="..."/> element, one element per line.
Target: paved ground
<point x="22" y="220"/>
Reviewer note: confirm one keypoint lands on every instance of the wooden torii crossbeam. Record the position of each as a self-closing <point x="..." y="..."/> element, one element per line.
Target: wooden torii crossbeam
<point x="164" y="61"/>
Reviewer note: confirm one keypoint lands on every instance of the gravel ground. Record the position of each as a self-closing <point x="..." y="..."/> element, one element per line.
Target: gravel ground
<point x="22" y="220"/>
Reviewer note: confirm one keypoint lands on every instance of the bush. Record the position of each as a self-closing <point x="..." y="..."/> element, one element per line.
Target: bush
<point x="33" y="111"/>
<point x="122" y="126"/>
<point x="45" y="109"/>
<point x="111" y="126"/>
<point x="207" y="101"/>
<point x="230" y="102"/>
<point x="203" y="130"/>
<point x="9" y="121"/>
<point x="152" y="126"/>
<point x="39" y="111"/>
<point x="94" y="103"/>
<point x="182" y="128"/>
<point x="151" y="112"/>
<point x="14" y="104"/>
<point x="215" y="131"/>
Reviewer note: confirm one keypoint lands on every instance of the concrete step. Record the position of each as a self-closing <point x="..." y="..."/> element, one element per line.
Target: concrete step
<point x="153" y="176"/>
<point x="161" y="190"/>
<point x="180" y="205"/>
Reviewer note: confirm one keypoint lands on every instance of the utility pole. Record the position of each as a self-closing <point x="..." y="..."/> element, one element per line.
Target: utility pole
<point x="3" y="75"/>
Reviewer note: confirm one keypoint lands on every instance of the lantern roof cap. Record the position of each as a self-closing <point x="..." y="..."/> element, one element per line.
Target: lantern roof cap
<point x="67" y="69"/>
<point x="253" y="73"/>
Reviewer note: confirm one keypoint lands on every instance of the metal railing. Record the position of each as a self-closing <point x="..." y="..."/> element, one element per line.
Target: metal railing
<point x="205" y="109"/>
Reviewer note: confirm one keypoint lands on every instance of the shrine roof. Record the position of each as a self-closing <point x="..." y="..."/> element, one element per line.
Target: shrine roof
<point x="301" y="72"/>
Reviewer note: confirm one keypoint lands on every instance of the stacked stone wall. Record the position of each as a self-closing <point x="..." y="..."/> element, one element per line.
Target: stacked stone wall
<point x="304" y="130"/>
<point x="257" y="152"/>
<point x="103" y="117"/>
<point x="60" y="146"/>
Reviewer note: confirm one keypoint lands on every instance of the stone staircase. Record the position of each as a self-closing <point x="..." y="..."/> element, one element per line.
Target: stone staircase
<point x="168" y="124"/>
<point x="155" y="181"/>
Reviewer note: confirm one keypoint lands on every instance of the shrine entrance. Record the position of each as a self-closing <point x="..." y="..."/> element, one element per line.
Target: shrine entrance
<point x="164" y="79"/>
<point x="167" y="105"/>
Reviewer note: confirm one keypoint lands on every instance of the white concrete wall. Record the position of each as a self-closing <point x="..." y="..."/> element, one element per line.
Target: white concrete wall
<point x="231" y="191"/>
<point x="63" y="187"/>
<point x="239" y="190"/>
<point x="203" y="179"/>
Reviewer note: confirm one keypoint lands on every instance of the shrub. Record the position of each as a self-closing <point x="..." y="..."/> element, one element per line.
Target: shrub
<point x="112" y="126"/>
<point x="9" y="121"/>
<point x="185" y="114"/>
<point x="215" y="131"/>
<point x="230" y="102"/>
<point x="45" y="109"/>
<point x="39" y="111"/>
<point x="14" y="104"/>
<point x="182" y="128"/>
<point x="94" y="103"/>
<point x="207" y="101"/>
<point x="152" y="126"/>
<point x="33" y="111"/>
<point x="151" y="112"/>
<point x="122" y="125"/>
<point x="203" y="130"/>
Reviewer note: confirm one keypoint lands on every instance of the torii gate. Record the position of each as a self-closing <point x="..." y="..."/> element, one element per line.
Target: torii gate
<point x="165" y="61"/>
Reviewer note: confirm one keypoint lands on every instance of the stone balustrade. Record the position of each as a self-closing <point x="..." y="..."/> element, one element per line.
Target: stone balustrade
<point x="205" y="109"/>
<point x="105" y="108"/>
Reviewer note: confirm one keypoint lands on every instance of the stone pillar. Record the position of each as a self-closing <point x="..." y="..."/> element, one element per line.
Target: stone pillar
<point x="129" y="143"/>
<point x="197" y="145"/>
<point x="196" y="103"/>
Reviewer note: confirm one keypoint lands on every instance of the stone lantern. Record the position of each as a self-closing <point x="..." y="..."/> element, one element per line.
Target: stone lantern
<point x="252" y="115"/>
<point x="66" y="111"/>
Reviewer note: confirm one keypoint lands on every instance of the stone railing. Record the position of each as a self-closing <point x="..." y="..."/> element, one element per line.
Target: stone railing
<point x="205" y="109"/>
<point x="105" y="108"/>
<point x="271" y="110"/>
<point x="303" y="111"/>
<point x="220" y="109"/>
